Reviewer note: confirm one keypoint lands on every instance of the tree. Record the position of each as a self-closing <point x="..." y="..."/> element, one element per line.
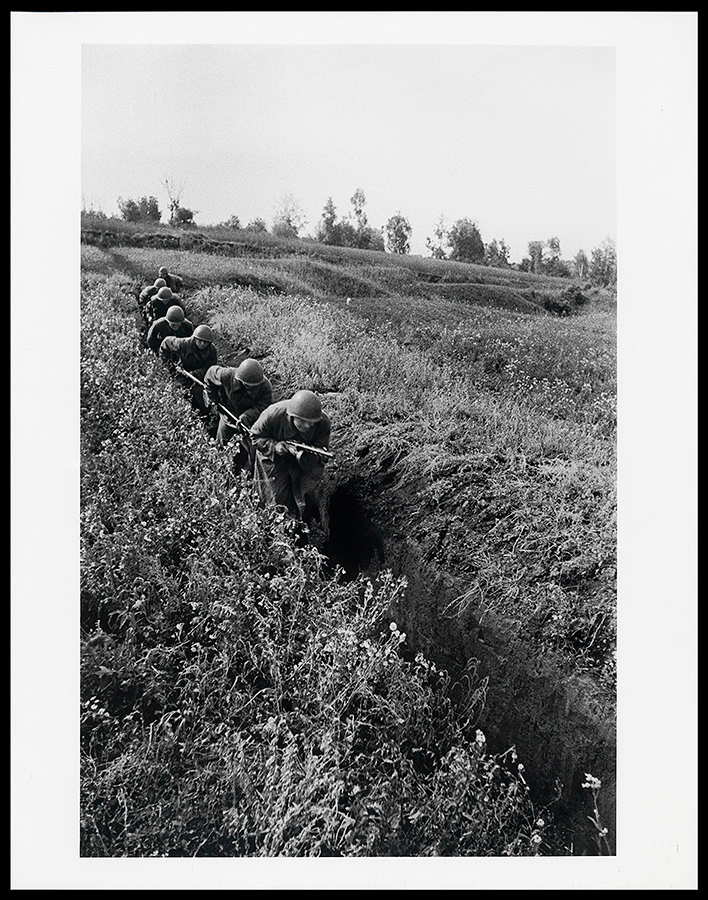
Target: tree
<point x="365" y="237"/>
<point x="183" y="218"/>
<point x="257" y="224"/>
<point x="466" y="242"/>
<point x="552" y="263"/>
<point x="536" y="256"/>
<point x="372" y="239"/>
<point x="327" y="229"/>
<point x="358" y="202"/>
<point x="143" y="210"/>
<point x="581" y="264"/>
<point x="398" y="234"/>
<point x="440" y="242"/>
<point x="496" y="254"/>
<point x="603" y="264"/>
<point x="233" y="222"/>
<point x="174" y="191"/>
<point x="346" y="233"/>
<point x="289" y="218"/>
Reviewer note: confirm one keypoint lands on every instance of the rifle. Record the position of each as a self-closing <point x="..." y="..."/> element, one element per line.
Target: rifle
<point x="245" y="430"/>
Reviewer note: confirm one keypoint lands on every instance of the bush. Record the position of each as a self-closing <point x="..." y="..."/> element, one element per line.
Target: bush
<point x="143" y="210"/>
<point x="565" y="303"/>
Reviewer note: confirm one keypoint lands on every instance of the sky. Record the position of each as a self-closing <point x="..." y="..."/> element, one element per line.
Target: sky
<point x="519" y="139"/>
<point x="571" y="125"/>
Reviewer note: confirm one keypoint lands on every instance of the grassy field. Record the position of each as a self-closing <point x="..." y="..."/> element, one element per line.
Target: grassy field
<point x="471" y="505"/>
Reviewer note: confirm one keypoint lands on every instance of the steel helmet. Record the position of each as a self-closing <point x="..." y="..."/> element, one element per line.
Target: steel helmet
<point x="163" y="271"/>
<point x="160" y="282"/>
<point x="165" y="294"/>
<point x="175" y="314"/>
<point x="305" y="405"/>
<point x="250" y="372"/>
<point x="204" y="333"/>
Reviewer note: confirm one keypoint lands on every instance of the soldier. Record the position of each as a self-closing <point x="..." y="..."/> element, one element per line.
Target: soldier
<point x="192" y="355"/>
<point x="243" y="391"/>
<point x="285" y="474"/>
<point x="173" y="282"/>
<point x="148" y="293"/>
<point x="174" y="323"/>
<point x="158" y="304"/>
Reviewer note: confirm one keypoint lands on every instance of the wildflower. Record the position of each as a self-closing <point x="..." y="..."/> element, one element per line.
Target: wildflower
<point x="479" y="737"/>
<point x="540" y="823"/>
<point x="593" y="783"/>
<point x="393" y="626"/>
<point x="535" y="838"/>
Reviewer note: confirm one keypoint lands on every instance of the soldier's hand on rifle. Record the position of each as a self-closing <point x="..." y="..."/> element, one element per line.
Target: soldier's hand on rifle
<point x="281" y="448"/>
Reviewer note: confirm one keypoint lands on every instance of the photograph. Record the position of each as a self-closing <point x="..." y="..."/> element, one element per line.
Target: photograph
<point x="366" y="514"/>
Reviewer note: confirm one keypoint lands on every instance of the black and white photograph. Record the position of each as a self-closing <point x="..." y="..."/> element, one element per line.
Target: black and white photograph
<point x="358" y="549"/>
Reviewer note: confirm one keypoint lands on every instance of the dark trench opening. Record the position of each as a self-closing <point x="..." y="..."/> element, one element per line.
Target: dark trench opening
<point x="354" y="543"/>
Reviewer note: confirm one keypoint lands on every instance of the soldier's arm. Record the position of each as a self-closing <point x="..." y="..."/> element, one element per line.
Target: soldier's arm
<point x="168" y="351"/>
<point x="153" y="338"/>
<point x="263" y="434"/>
<point x="213" y="384"/>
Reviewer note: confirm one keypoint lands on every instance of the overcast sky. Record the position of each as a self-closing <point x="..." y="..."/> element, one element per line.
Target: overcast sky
<point x="519" y="139"/>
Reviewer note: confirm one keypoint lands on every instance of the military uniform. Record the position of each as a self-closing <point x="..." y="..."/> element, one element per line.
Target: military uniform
<point x="288" y="480"/>
<point x="156" y="308"/>
<point x="174" y="282"/>
<point x="146" y="294"/>
<point x="185" y="353"/>
<point x="161" y="328"/>
<point x="222" y="386"/>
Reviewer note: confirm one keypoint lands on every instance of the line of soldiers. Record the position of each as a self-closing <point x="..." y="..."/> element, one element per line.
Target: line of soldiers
<point x="284" y="445"/>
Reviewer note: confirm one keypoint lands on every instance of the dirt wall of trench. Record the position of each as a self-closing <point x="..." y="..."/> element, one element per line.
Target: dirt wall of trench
<point x="556" y="718"/>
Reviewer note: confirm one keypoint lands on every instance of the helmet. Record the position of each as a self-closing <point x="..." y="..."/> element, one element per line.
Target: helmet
<point x="175" y="314"/>
<point x="305" y="405"/>
<point x="163" y="271"/>
<point x="250" y="372"/>
<point x="160" y="282"/>
<point x="204" y="333"/>
<point x="165" y="294"/>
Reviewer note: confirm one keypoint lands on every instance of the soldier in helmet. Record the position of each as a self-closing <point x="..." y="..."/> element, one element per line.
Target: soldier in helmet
<point x="173" y="282"/>
<point x="174" y="323"/>
<point x="158" y="304"/>
<point x="244" y="391"/>
<point x="194" y="355"/>
<point x="286" y="475"/>
<point x="148" y="293"/>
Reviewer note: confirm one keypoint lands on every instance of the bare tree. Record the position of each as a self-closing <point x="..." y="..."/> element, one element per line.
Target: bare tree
<point x="174" y="191"/>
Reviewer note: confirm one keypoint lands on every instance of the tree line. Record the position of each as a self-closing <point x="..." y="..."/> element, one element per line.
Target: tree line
<point x="460" y="241"/>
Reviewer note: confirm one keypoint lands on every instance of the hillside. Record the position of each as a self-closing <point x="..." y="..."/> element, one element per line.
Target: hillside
<point x="474" y="434"/>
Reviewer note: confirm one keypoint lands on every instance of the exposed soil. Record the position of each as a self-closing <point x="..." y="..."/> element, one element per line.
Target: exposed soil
<point x="556" y="718"/>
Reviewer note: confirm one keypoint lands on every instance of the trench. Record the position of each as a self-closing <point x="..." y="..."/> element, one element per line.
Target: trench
<point x="554" y="718"/>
